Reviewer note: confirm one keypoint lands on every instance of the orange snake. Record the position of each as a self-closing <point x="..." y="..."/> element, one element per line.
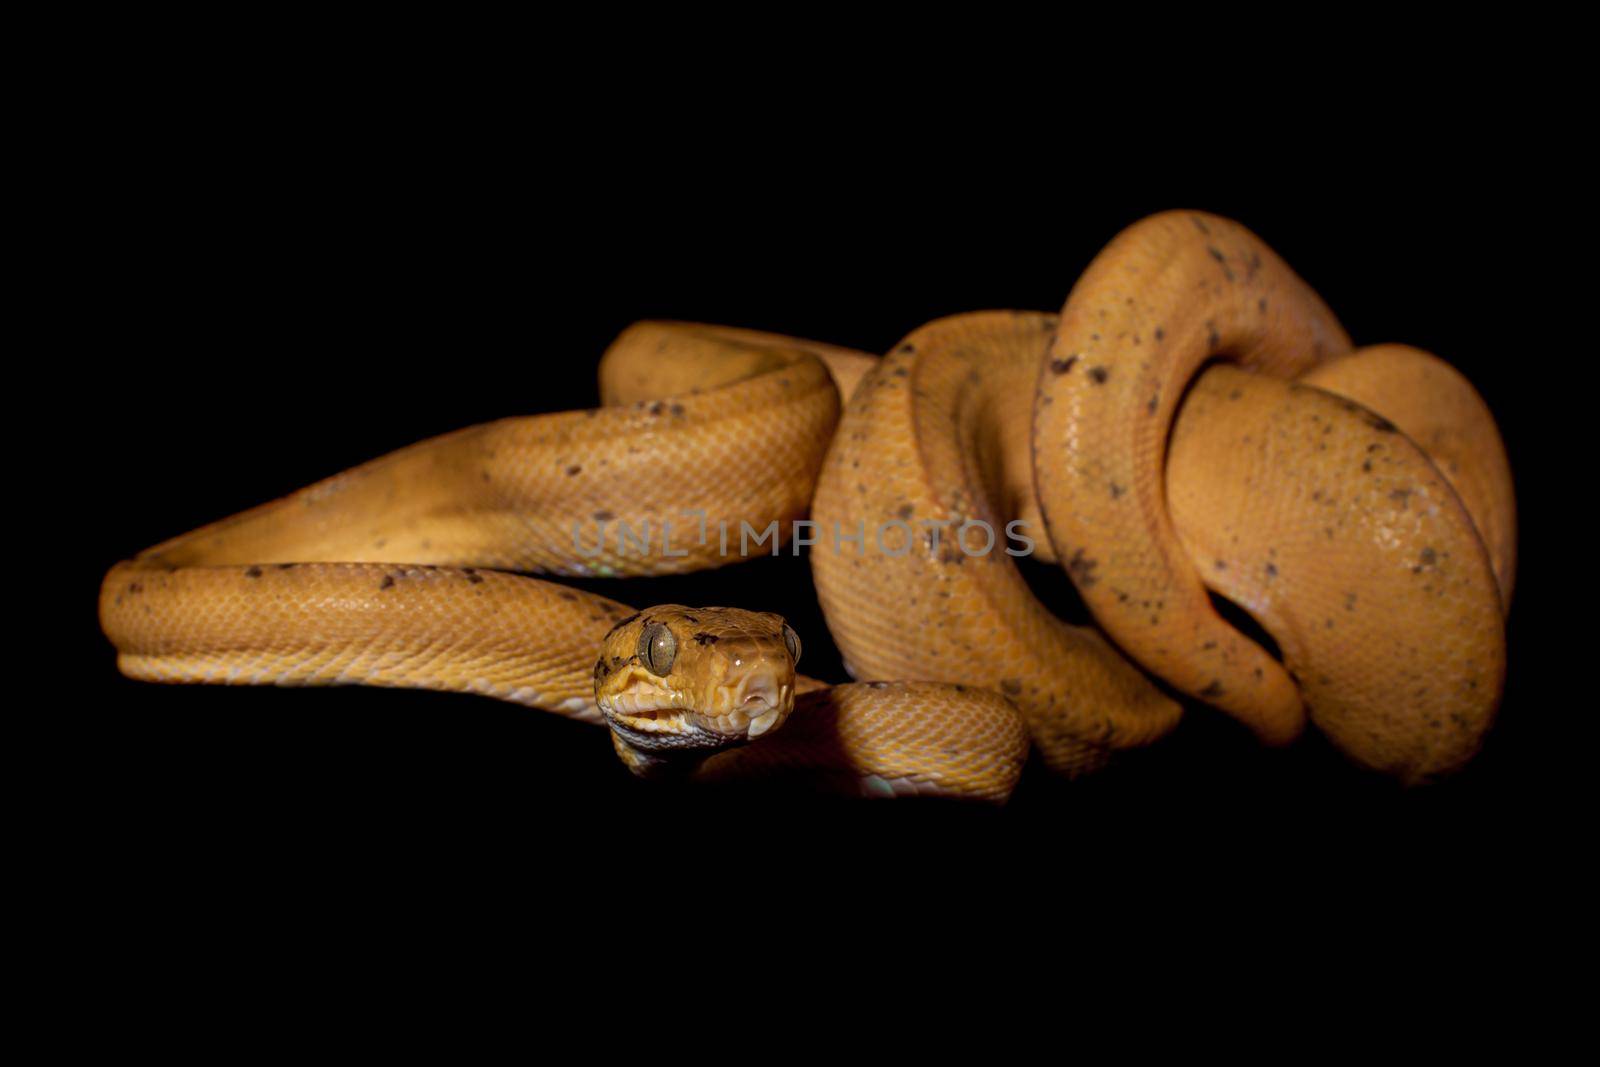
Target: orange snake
<point x="1376" y="549"/>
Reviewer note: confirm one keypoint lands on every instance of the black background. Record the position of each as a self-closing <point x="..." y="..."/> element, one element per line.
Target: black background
<point x="288" y="287"/>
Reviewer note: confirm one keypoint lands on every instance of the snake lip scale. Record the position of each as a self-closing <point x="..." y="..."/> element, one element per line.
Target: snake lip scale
<point x="1194" y="422"/>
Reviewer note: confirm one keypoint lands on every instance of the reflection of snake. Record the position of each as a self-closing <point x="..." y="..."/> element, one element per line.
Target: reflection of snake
<point x="1320" y="518"/>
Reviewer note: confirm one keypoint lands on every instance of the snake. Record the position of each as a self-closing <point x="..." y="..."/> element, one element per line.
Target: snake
<point x="1192" y="427"/>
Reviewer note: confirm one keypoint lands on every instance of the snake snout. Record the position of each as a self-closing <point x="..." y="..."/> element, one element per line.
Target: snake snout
<point x="761" y="700"/>
<point x="756" y="691"/>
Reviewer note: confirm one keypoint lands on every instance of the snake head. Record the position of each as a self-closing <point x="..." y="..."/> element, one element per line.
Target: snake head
<point x="674" y="679"/>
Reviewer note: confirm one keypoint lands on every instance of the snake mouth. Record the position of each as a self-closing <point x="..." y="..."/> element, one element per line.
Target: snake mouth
<point x="653" y="720"/>
<point x="749" y="720"/>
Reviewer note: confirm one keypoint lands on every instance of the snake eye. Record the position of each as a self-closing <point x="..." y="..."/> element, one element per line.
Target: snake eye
<point x="791" y="641"/>
<point x="657" y="648"/>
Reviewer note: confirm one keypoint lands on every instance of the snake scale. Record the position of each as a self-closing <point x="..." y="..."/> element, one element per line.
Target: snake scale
<point x="1193" y="424"/>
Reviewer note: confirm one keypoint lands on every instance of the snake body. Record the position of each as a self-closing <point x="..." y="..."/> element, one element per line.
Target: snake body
<point x="1381" y="573"/>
